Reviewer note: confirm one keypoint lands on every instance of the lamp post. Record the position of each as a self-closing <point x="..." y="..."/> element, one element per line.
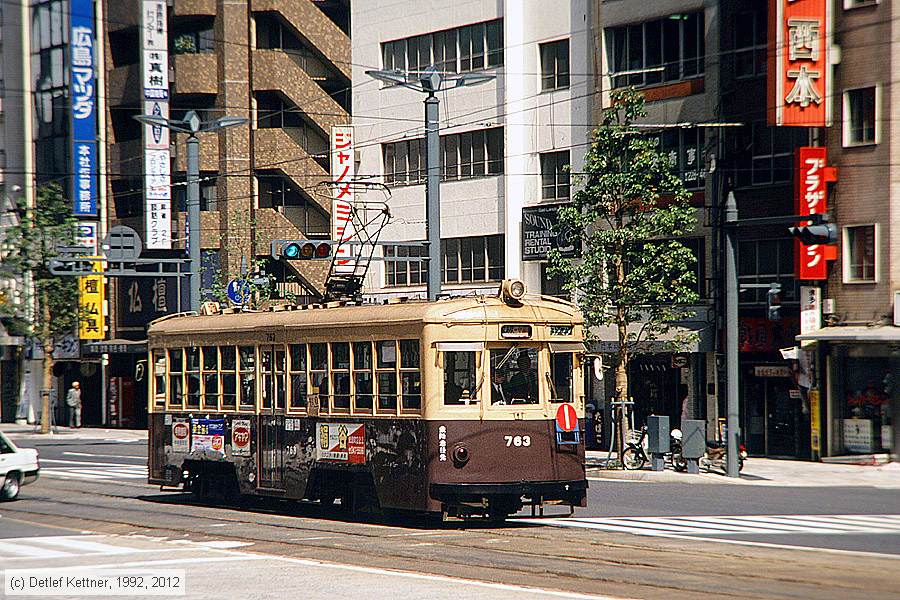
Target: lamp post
<point x="431" y="81"/>
<point x="192" y="125"/>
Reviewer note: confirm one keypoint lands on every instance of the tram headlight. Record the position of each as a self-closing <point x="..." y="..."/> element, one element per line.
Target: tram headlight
<point x="512" y="290"/>
<point x="460" y="456"/>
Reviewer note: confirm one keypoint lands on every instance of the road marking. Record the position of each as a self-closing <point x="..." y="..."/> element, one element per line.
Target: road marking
<point x="26" y="551"/>
<point x="77" y="469"/>
<point x="104" y="455"/>
<point x="46" y="547"/>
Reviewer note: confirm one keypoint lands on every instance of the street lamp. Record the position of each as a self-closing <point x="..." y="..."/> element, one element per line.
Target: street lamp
<point x="431" y="81"/>
<point x="192" y="125"/>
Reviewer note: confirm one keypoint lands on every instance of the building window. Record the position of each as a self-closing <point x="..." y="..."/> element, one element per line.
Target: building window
<point x="765" y="262"/>
<point x="405" y="272"/>
<point x="660" y="51"/>
<point x="462" y="155"/>
<point x="470" y="48"/>
<point x="860" y="254"/>
<point x="276" y="191"/>
<point x="764" y="155"/>
<point x="555" y="65"/>
<point x="851" y="4"/>
<point x="750" y="44"/>
<point x="555" y="175"/>
<point x="472" y="259"/>
<point x="194" y="42"/>
<point x="553" y="285"/>
<point x="860" y="116"/>
<point x="684" y="149"/>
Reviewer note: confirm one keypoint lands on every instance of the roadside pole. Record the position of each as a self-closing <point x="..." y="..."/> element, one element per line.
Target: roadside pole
<point x="731" y="333"/>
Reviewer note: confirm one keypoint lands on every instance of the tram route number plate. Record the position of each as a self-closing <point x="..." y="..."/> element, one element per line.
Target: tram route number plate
<point x="341" y="442"/>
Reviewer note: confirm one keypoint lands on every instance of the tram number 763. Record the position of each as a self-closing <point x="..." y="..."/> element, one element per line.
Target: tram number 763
<point x="517" y="440"/>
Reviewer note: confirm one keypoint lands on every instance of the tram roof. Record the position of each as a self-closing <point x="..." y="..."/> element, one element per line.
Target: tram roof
<point x="472" y="309"/>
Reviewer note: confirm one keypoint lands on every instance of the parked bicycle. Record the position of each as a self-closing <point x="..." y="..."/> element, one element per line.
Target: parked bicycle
<point x="635" y="455"/>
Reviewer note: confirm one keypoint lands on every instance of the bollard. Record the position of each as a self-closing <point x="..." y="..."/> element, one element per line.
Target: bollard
<point x="657" y="441"/>
<point x="693" y="443"/>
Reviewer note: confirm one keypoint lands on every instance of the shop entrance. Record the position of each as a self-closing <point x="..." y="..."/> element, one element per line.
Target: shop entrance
<point x="773" y="413"/>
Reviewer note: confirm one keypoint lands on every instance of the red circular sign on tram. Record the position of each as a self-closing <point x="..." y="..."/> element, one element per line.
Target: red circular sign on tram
<point x="180" y="431"/>
<point x="566" y="417"/>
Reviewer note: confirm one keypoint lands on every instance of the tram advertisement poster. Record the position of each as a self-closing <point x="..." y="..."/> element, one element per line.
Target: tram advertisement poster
<point x="240" y="437"/>
<point x="181" y="435"/>
<point x="341" y="442"/>
<point x="208" y="434"/>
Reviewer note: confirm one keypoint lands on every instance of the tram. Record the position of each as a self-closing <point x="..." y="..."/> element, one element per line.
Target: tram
<point x="466" y="407"/>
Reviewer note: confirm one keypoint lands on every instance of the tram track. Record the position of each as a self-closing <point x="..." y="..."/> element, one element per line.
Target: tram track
<point x="514" y="563"/>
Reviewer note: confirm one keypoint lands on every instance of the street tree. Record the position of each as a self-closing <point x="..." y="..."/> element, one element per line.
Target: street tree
<point x="633" y="274"/>
<point x="28" y="245"/>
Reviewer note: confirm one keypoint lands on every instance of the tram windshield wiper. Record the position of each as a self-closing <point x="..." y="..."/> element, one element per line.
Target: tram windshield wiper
<point x="506" y="357"/>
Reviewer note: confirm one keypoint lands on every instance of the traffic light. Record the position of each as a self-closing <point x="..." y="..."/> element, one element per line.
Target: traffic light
<point x="307" y="250"/>
<point x="773" y="302"/>
<point x="825" y="233"/>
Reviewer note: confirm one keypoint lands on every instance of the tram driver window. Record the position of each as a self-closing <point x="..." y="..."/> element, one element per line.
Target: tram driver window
<point x="459" y="378"/>
<point x="298" y="376"/>
<point x="192" y="370"/>
<point x="248" y="377"/>
<point x="514" y="375"/>
<point x="561" y="377"/>
<point x="386" y="366"/>
<point x="176" y="383"/>
<point x="159" y="377"/>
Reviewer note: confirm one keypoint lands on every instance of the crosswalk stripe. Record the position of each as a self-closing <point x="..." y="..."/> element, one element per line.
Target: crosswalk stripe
<point x="24" y="550"/>
<point x="84" y="545"/>
<point x="707" y="526"/>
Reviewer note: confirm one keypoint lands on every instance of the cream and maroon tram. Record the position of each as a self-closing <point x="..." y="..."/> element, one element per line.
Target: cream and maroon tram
<point x="466" y="406"/>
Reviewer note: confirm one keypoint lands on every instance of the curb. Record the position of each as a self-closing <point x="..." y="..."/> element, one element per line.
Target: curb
<point x="661" y="477"/>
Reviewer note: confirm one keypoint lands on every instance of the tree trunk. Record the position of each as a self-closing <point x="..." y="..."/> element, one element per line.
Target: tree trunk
<point x="47" y="389"/>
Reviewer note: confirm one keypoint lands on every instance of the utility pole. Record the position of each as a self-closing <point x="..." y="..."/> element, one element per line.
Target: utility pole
<point x="731" y="334"/>
<point x="192" y="125"/>
<point x="431" y="81"/>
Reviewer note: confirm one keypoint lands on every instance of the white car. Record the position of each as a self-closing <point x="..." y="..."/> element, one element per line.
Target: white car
<point x="18" y="467"/>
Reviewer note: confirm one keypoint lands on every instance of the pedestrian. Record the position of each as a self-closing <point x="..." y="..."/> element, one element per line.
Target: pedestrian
<point x="73" y="401"/>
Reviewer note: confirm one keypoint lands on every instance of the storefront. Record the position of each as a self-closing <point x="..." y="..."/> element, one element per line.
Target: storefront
<point x="862" y="366"/>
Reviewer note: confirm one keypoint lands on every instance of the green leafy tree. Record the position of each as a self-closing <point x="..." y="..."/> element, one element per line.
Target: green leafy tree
<point x="28" y="246"/>
<point x="633" y="274"/>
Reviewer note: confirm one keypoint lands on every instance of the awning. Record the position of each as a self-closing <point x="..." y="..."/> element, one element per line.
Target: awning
<point x="880" y="333"/>
<point x="576" y="347"/>
<point x="459" y="346"/>
<point x="116" y="346"/>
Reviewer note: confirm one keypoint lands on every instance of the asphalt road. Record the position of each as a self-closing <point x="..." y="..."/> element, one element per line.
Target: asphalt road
<point x="644" y="540"/>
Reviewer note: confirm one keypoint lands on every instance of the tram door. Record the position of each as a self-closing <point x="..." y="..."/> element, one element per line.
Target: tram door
<point x="271" y="420"/>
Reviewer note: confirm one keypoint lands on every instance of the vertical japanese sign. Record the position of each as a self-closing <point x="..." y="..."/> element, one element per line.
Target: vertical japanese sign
<point x="799" y="77"/>
<point x="811" y="198"/>
<point x="810" y="310"/>
<point x="82" y="84"/>
<point x="157" y="168"/>
<point x="343" y="171"/>
<point x="91" y="317"/>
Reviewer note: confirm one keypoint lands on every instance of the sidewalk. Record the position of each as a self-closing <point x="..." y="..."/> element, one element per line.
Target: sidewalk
<point x="19" y="432"/>
<point x="762" y="471"/>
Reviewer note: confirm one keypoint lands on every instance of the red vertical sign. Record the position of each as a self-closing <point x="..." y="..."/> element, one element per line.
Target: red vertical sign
<point x="799" y="73"/>
<point x="811" y="198"/>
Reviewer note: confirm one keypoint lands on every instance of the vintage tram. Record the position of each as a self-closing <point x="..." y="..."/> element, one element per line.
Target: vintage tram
<point x="468" y="406"/>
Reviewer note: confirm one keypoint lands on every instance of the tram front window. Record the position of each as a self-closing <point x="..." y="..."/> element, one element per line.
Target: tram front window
<point x="459" y="378"/>
<point x="514" y="375"/>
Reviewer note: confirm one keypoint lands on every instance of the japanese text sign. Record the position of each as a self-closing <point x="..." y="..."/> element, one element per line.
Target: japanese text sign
<point x="82" y="88"/>
<point x="811" y="198"/>
<point x="91" y="317"/>
<point x="799" y="75"/>
<point x="342" y="174"/>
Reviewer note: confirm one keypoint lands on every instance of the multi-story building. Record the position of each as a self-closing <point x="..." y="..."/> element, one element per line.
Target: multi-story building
<point x="282" y="64"/>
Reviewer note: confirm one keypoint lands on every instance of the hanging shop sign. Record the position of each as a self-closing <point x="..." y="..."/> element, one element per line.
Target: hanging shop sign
<point x="157" y="165"/>
<point x="343" y="172"/>
<point x="540" y="235"/>
<point x="811" y="198"/>
<point x="82" y="88"/>
<point x="810" y="310"/>
<point x="799" y="74"/>
<point x="91" y="313"/>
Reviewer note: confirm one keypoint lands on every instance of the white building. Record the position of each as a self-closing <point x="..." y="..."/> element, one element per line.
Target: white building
<point x="497" y="138"/>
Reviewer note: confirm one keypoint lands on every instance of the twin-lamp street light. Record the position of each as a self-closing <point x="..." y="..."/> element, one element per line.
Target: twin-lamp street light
<point x="192" y="125"/>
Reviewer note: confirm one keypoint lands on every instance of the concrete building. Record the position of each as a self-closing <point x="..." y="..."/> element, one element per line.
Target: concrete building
<point x="283" y="64"/>
<point x="504" y="143"/>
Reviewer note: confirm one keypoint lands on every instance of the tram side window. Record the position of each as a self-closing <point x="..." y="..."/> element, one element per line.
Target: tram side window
<point x="268" y="382"/>
<point x="210" y="377"/>
<point x="159" y="377"/>
<point x="248" y="377"/>
<point x="514" y="376"/>
<point x="280" y="375"/>
<point x="229" y="377"/>
<point x="362" y="376"/>
<point x="410" y="377"/>
<point x="561" y="377"/>
<point x="192" y="373"/>
<point x="318" y="373"/>
<point x="387" y="376"/>
<point x="459" y="378"/>
<point x="340" y="375"/>
<point x="298" y="375"/>
<point x="176" y="382"/>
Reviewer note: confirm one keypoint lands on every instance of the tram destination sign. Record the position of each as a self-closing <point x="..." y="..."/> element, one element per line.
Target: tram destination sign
<point x="539" y="234"/>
